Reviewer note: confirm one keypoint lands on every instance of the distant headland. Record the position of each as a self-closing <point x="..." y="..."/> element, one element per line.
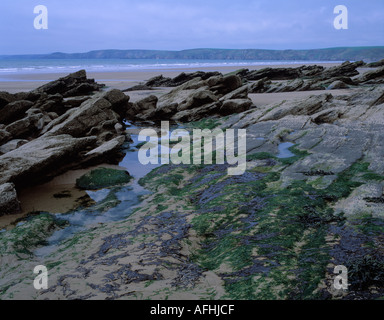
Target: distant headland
<point x="366" y="54"/>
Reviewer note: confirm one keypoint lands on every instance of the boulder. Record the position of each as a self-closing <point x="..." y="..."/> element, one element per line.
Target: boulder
<point x="78" y="122"/>
<point x="197" y="113"/>
<point x="118" y="100"/>
<point x="198" y="99"/>
<point x="284" y="73"/>
<point x="106" y="153"/>
<point x="74" y="102"/>
<point x="8" y="199"/>
<point x="371" y="75"/>
<point x="376" y="64"/>
<point x="161" y="81"/>
<point x="259" y="86"/>
<point x="147" y="104"/>
<point x="221" y="85"/>
<point x="42" y="158"/>
<point x="235" y="106"/>
<point x="5" y="98"/>
<point x="14" y="111"/>
<point x="337" y="85"/>
<point x="26" y="127"/>
<point x="72" y="85"/>
<point x="346" y="69"/>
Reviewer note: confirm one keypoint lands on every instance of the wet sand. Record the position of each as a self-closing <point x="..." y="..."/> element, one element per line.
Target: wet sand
<point x="60" y="195"/>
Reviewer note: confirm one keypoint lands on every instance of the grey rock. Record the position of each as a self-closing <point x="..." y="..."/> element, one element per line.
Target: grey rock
<point x="4" y="136"/>
<point x="235" y="106"/>
<point x="14" y="111"/>
<point x="9" y="204"/>
<point x="79" y="121"/>
<point x="337" y="85"/>
<point x="26" y="126"/>
<point x="5" y="98"/>
<point x="12" y="145"/>
<point x="42" y="158"/>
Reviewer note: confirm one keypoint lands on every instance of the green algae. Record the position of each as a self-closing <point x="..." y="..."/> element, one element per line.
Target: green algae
<point x="24" y="238"/>
<point x="281" y="243"/>
<point x="103" y="178"/>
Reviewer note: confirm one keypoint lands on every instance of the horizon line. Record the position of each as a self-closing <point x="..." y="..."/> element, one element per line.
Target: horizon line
<point x="191" y="49"/>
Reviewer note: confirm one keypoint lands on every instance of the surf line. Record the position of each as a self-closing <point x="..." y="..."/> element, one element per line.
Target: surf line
<point x="187" y="150"/>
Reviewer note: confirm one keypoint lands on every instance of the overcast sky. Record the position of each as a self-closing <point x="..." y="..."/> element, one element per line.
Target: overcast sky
<point x="85" y="25"/>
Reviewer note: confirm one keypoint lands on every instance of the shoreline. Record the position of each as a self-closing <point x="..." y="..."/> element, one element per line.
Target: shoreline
<point x="121" y="80"/>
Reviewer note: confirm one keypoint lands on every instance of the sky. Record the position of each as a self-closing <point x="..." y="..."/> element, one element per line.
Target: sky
<point x="85" y="25"/>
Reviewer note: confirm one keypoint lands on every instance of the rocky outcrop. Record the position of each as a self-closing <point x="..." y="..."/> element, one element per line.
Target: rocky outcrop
<point x="195" y="99"/>
<point x="42" y="158"/>
<point x="52" y="129"/>
<point x="161" y="81"/>
<point x="75" y="84"/>
<point x="377" y="74"/>
<point x="284" y="73"/>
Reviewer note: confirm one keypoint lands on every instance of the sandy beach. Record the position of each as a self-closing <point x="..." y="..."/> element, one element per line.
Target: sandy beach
<point x="14" y="83"/>
<point x="120" y="80"/>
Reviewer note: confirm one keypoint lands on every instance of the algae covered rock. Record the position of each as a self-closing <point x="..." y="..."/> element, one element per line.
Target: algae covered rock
<point x="103" y="178"/>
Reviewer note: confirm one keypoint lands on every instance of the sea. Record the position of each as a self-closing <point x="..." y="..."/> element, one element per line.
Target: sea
<point x="26" y="66"/>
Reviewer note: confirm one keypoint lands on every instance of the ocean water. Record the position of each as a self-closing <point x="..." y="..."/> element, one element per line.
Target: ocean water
<point x="26" y="66"/>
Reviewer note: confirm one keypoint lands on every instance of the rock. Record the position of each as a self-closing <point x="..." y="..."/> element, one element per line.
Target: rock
<point x="42" y="159"/>
<point x="371" y="75"/>
<point x="78" y="122"/>
<point x="337" y="85"/>
<point x="147" y="104"/>
<point x="284" y="73"/>
<point x="26" y="127"/>
<point x="259" y="86"/>
<point x="4" y="136"/>
<point x="106" y="153"/>
<point x="119" y="128"/>
<point x="30" y="96"/>
<point x="72" y="85"/>
<point x="221" y="85"/>
<point x="346" y="69"/>
<point x="14" y="111"/>
<point x="308" y="107"/>
<point x="119" y="101"/>
<point x="376" y="64"/>
<point x="326" y="116"/>
<point x="82" y="89"/>
<point x="12" y="145"/>
<point x="75" y="102"/>
<point x="293" y="85"/>
<point x="235" y="106"/>
<point x="9" y="203"/>
<point x="171" y="100"/>
<point x="197" y="113"/>
<point x="198" y="99"/>
<point x="103" y="178"/>
<point x="139" y="87"/>
<point x="240" y="93"/>
<point x="182" y="78"/>
<point x="5" y="98"/>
